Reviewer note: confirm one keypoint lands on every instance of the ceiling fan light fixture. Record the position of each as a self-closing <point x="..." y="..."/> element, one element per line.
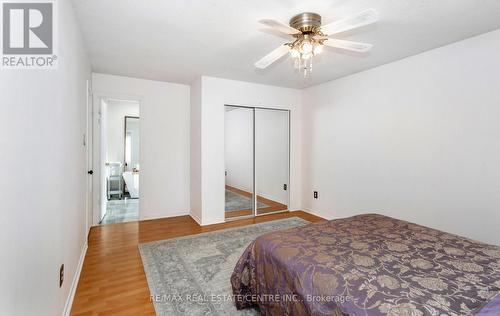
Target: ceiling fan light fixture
<point x="303" y="50"/>
<point x="294" y="53"/>
<point x="318" y="48"/>
<point x="307" y="56"/>
<point x="309" y="36"/>
<point x="306" y="47"/>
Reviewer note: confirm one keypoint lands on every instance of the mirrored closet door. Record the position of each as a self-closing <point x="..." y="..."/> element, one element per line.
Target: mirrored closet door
<point x="271" y="160"/>
<point x="239" y="166"/>
<point x="256" y="161"/>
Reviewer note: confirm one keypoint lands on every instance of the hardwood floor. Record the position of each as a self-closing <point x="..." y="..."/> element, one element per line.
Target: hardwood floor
<point x="272" y="206"/>
<point x="113" y="282"/>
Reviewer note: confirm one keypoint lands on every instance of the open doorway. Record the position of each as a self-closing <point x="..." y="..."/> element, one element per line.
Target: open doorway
<point x="119" y="156"/>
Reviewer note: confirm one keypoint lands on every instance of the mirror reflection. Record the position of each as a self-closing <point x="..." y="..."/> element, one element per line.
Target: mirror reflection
<point x="256" y="160"/>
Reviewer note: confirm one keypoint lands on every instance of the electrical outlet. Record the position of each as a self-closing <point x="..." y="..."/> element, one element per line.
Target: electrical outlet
<point x="285" y="187"/>
<point x="61" y="275"/>
<point x="315" y="194"/>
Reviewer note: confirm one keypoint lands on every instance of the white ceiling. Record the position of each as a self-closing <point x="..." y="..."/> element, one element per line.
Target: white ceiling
<point x="178" y="40"/>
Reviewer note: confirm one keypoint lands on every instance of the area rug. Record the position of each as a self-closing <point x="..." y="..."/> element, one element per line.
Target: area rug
<point x="190" y="275"/>
<point x="238" y="202"/>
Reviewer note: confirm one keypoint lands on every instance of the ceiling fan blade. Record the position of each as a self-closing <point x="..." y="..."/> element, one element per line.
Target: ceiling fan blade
<point x="273" y="56"/>
<point x="283" y="28"/>
<point x="348" y="45"/>
<point x="354" y="21"/>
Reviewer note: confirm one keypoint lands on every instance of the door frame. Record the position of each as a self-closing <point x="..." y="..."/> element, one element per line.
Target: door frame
<point x="97" y="97"/>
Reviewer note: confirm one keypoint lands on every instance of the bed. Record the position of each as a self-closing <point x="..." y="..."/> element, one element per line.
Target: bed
<point x="367" y="265"/>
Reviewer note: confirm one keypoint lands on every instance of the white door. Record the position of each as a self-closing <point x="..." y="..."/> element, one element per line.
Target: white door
<point x="99" y="158"/>
<point x="88" y="139"/>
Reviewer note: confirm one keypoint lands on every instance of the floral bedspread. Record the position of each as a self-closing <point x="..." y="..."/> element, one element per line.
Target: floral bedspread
<point x="367" y="265"/>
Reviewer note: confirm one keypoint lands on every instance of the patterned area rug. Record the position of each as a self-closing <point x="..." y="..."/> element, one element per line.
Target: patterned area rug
<point x="190" y="275"/>
<point x="238" y="202"/>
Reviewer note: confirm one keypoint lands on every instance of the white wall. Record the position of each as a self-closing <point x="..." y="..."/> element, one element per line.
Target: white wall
<point x="215" y="93"/>
<point x="117" y="110"/>
<point x="164" y="140"/>
<point x="271" y="151"/>
<point x="416" y="139"/>
<point x="195" y="151"/>
<point x="42" y="216"/>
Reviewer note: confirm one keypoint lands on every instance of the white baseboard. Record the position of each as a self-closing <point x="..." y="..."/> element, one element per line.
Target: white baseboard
<point x="214" y="221"/>
<point x="319" y="214"/>
<point x="196" y="218"/>
<point x="74" y="283"/>
<point x="160" y="216"/>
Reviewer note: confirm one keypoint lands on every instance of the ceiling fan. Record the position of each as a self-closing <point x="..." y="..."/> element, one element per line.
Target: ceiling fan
<point x="309" y="37"/>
